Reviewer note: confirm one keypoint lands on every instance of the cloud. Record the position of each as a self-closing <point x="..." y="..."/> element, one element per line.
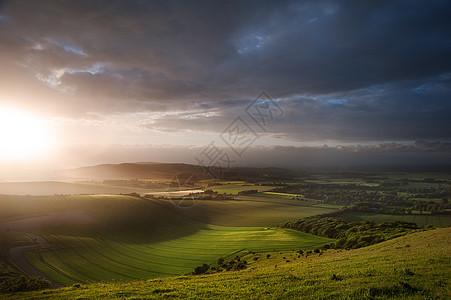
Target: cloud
<point x="292" y="157"/>
<point x="401" y="111"/>
<point x="342" y="70"/>
<point x="384" y="155"/>
<point x="343" y="156"/>
<point x="433" y="146"/>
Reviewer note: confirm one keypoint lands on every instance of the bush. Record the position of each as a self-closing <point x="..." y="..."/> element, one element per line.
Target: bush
<point x="220" y="261"/>
<point x="201" y="269"/>
<point x="247" y="192"/>
<point x="336" y="277"/>
<point x="239" y="265"/>
<point x="23" y="284"/>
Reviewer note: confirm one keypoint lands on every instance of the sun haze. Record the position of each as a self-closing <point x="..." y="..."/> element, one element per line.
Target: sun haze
<point x="344" y="84"/>
<point x="24" y="136"/>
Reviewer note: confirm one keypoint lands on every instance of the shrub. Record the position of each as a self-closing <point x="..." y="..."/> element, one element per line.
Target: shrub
<point x="236" y="265"/>
<point x="201" y="269"/>
<point x="336" y="277"/>
<point x="23" y="284"/>
<point x="220" y="261"/>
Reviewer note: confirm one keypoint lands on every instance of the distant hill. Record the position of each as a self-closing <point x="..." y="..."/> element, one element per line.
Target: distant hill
<point x="133" y="171"/>
<point x="65" y="188"/>
<point x="152" y="170"/>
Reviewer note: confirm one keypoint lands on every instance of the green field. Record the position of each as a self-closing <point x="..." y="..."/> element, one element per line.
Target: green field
<point x="283" y="194"/>
<point x="135" y="238"/>
<point x="416" y="266"/>
<point x="106" y="256"/>
<point x="342" y="181"/>
<point x="123" y="238"/>
<point x="259" y="209"/>
<point x="234" y="187"/>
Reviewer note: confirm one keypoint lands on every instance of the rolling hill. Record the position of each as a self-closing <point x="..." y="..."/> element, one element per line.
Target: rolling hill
<point x="42" y="188"/>
<point x="147" y="234"/>
<point x="416" y="266"/>
<point x="93" y="238"/>
<point x="152" y="170"/>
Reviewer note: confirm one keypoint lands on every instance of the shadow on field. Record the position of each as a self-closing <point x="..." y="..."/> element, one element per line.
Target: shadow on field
<point x="127" y="219"/>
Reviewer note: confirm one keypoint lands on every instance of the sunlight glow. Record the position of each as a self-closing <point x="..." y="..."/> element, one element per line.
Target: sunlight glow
<point x="24" y="136"/>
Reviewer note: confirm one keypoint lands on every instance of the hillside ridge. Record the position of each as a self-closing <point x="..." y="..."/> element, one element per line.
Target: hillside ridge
<point x="149" y="170"/>
<point x="413" y="266"/>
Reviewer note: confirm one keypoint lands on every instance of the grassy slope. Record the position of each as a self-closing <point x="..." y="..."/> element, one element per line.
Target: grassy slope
<point x="57" y="187"/>
<point x="131" y="256"/>
<point x="138" y="239"/>
<point x="259" y="209"/>
<point x="414" y="266"/>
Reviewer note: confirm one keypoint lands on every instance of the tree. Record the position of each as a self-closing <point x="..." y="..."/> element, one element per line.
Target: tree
<point x="200" y="269"/>
<point x="220" y="261"/>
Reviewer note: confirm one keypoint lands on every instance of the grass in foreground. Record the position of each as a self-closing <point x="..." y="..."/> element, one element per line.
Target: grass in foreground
<point x="415" y="266"/>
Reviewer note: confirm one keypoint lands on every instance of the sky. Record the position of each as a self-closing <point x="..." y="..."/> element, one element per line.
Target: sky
<point x="299" y="83"/>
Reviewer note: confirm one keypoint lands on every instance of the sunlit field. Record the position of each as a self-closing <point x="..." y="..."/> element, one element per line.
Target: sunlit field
<point x="143" y="253"/>
<point x="132" y="238"/>
<point x="410" y="267"/>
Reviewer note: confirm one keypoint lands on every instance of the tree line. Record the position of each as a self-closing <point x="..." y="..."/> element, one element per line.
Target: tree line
<point x="351" y="235"/>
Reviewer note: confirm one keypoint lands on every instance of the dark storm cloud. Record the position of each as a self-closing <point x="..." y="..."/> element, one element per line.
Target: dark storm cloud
<point x="343" y="70"/>
<point x="393" y="111"/>
<point x="387" y="154"/>
<point x="408" y="110"/>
